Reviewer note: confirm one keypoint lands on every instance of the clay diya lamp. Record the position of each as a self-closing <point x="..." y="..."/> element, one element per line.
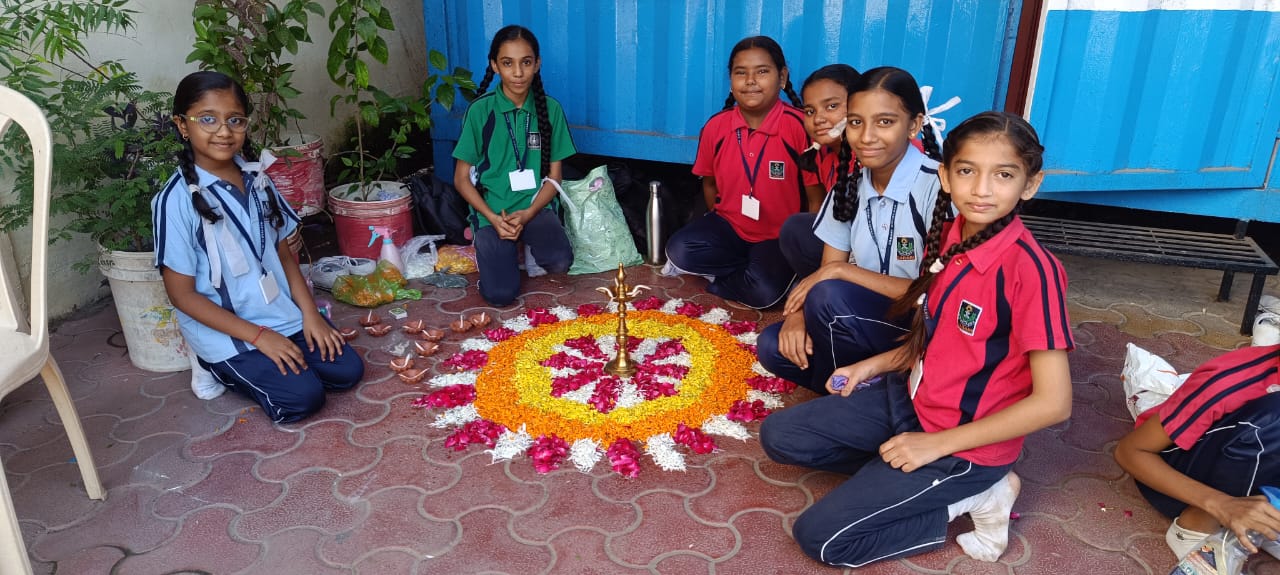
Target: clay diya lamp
<point x="378" y="330"/>
<point x="415" y="326"/>
<point x="480" y="320"/>
<point x="425" y="348"/>
<point x="460" y="326"/>
<point x="433" y="334"/>
<point x="349" y="333"/>
<point x="400" y="364"/>
<point x="370" y="319"/>
<point x="412" y="376"/>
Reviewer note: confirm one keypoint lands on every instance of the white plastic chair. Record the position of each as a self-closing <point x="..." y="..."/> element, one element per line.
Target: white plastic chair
<point x="26" y="355"/>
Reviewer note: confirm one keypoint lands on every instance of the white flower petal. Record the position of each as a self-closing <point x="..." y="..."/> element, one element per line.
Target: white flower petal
<point x="563" y="313"/>
<point x="748" y="338"/>
<point x="662" y="449"/>
<point x="447" y="379"/>
<point x="585" y="453"/>
<point x="770" y="400"/>
<point x="629" y="396"/>
<point x="480" y="343"/>
<point x="716" y="316"/>
<point x="456" y="416"/>
<point x="510" y="444"/>
<point x="721" y="425"/>
<point x="671" y="305"/>
<point x="518" y="323"/>
<point x="760" y="370"/>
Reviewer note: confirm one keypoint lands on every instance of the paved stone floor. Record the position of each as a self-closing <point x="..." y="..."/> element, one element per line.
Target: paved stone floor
<point x="368" y="487"/>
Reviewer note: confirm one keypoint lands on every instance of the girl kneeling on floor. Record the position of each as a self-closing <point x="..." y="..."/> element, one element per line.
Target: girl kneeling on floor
<point x="987" y="355"/>
<point x="242" y="303"/>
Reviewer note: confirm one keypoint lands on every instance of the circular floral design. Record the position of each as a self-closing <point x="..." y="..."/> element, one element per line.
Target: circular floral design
<point x="537" y="385"/>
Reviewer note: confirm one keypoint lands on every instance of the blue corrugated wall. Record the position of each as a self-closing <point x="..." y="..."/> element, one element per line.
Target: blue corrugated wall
<point x="639" y="78"/>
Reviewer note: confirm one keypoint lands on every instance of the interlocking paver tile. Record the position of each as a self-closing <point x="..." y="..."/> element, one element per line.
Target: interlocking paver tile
<point x="129" y="505"/>
<point x="89" y="560"/>
<point x="294" y="551"/>
<point x="324" y="444"/>
<point x="484" y="531"/>
<point x="666" y="527"/>
<point x="402" y="463"/>
<point x="155" y="461"/>
<point x="738" y="476"/>
<point x="692" y="481"/>
<point x="201" y="545"/>
<point x="391" y="521"/>
<point x="393" y="561"/>
<point x="1104" y="522"/>
<point x="308" y="501"/>
<point x="250" y="432"/>
<point x="1046" y="460"/>
<point x="582" y="552"/>
<point x="58" y="450"/>
<point x="764" y="547"/>
<point x="564" y="508"/>
<point x="230" y="481"/>
<point x="1054" y="551"/>
<point x="54" y="497"/>
<point x="483" y="484"/>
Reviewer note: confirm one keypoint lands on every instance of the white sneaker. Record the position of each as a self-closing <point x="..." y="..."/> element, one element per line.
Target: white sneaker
<point x="531" y="265"/>
<point x="1182" y="540"/>
<point x="203" y="384"/>
<point x="1266" y="328"/>
<point x="671" y="270"/>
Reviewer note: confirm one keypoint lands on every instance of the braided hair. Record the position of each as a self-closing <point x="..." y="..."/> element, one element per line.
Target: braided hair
<point x="1023" y="138"/>
<point x="190" y="90"/>
<point x="843" y="75"/>
<point x="770" y="46"/>
<point x="895" y="81"/>
<point x="512" y="33"/>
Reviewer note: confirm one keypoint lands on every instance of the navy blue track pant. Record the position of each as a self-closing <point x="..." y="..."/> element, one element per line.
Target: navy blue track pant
<point x="1236" y="456"/>
<point x="846" y="323"/>
<point x="801" y="248"/>
<point x="879" y="512"/>
<point x="753" y="273"/>
<point x="290" y="397"/>
<point x="497" y="259"/>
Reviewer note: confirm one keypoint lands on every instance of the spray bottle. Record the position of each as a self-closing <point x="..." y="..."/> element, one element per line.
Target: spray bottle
<point x="389" y="251"/>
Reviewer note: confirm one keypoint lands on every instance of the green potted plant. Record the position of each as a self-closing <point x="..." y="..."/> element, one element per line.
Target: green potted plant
<point x="248" y="40"/>
<point x="113" y="151"/>
<point x="363" y="197"/>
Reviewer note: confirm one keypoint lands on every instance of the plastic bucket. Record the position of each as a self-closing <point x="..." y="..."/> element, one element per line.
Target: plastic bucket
<point x="301" y="179"/>
<point x="149" y="321"/>
<point x="352" y="218"/>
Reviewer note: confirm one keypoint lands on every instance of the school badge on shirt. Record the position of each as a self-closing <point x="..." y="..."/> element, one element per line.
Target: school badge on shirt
<point x="534" y="141"/>
<point x="777" y="170"/>
<point x="967" y="317"/>
<point x="906" y="248"/>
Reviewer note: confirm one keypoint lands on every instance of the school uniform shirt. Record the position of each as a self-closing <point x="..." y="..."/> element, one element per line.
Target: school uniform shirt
<point x="181" y="247"/>
<point x="1216" y="389"/>
<point x="498" y="138"/>
<point x="735" y="155"/>
<point x="887" y="232"/>
<point x="993" y="305"/>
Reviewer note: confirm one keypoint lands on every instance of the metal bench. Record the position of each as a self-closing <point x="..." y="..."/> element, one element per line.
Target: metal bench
<point x="1226" y="252"/>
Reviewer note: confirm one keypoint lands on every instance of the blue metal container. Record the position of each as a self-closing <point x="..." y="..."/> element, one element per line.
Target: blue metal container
<point x="638" y="79"/>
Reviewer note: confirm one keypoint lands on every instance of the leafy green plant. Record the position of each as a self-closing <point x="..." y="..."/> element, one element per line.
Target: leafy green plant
<point x="357" y="27"/>
<point x="113" y="146"/>
<point x="247" y="40"/>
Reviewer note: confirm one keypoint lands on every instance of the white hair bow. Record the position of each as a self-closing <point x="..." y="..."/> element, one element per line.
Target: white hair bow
<point x="931" y="114"/>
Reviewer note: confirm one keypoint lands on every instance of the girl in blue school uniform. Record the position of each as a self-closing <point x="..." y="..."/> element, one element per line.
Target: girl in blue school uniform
<point x="508" y="168"/>
<point x="876" y="212"/>
<point x="826" y="98"/>
<point x="987" y="362"/>
<point x="242" y="303"/>
<point x="750" y="180"/>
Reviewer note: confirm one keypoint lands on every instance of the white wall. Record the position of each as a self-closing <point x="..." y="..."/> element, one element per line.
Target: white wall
<point x="157" y="51"/>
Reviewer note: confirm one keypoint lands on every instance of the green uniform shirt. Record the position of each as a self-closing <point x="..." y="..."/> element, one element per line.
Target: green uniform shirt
<point x="486" y="143"/>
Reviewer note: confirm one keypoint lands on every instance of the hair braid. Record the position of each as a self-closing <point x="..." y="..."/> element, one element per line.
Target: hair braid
<point x="844" y="206"/>
<point x="544" y="124"/>
<point x="930" y="141"/>
<point x="187" y="165"/>
<point x="792" y="95"/>
<point x="484" y="83"/>
<point x="729" y="102"/>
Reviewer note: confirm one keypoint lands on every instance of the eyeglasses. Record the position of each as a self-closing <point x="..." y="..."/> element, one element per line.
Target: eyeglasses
<point x="211" y="124"/>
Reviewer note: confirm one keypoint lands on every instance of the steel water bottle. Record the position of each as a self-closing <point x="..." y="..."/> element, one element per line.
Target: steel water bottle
<point x="654" y="252"/>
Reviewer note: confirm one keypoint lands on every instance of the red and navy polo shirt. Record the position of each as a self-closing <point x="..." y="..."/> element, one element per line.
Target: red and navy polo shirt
<point x="993" y="305"/>
<point x="769" y="152"/>
<point x="1216" y="389"/>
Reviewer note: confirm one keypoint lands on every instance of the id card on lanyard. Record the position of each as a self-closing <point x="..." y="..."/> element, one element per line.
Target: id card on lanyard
<point x="267" y="283"/>
<point x="750" y="205"/>
<point x="887" y="257"/>
<point x="522" y="178"/>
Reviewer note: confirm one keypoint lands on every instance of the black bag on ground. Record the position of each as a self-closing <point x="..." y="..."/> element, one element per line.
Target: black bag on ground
<point x="438" y="208"/>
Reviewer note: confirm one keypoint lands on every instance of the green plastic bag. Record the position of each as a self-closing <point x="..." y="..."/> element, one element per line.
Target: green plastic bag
<point x="595" y="225"/>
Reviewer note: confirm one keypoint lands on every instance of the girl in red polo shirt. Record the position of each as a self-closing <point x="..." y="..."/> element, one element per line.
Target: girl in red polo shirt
<point x="987" y="356"/>
<point x="747" y="159"/>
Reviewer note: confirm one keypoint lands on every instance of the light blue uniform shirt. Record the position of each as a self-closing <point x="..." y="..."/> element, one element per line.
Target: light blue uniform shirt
<point x="180" y="246"/>
<point x="893" y="243"/>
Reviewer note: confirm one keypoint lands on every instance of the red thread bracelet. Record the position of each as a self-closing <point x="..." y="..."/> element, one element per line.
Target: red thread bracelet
<point x="261" y="329"/>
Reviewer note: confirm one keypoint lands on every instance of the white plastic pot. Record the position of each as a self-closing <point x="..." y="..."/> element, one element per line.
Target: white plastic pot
<point x="149" y="321"/>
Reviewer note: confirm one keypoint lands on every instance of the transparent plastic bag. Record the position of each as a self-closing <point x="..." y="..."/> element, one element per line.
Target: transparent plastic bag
<point x="383" y="286"/>
<point x="595" y="225"/>
<point x="417" y="263"/>
<point x="459" y="260"/>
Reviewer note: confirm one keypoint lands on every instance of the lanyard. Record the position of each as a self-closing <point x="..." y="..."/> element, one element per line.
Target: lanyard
<point x="262" y="225"/>
<point x="886" y="257"/>
<point x="751" y="174"/>
<point x="931" y="320"/>
<point x="515" y="146"/>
